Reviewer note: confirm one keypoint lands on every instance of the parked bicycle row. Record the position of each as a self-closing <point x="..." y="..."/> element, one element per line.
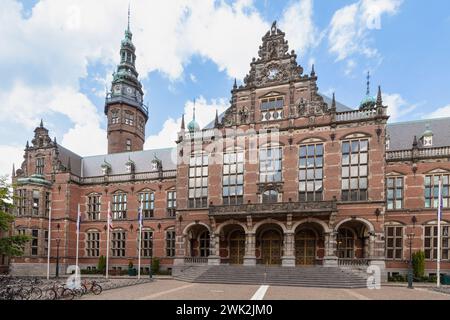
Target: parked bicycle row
<point x="35" y="289"/>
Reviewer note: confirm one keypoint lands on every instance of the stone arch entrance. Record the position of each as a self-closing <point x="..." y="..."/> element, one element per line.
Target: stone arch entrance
<point x="269" y="244"/>
<point x="198" y="243"/>
<point x="237" y="246"/>
<point x="309" y="243"/>
<point x="353" y="240"/>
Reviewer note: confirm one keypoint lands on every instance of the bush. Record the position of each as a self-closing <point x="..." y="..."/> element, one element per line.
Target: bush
<point x="101" y="266"/>
<point x="130" y="265"/>
<point x="418" y="260"/>
<point x="155" y="265"/>
<point x="398" y="278"/>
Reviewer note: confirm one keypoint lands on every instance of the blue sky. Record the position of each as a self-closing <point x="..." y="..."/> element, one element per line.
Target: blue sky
<point x="58" y="56"/>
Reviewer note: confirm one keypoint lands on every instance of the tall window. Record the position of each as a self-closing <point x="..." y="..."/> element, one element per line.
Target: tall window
<point x="345" y="244"/>
<point x="115" y="117"/>
<point x="40" y="166"/>
<point x="34" y="242"/>
<point x="36" y="198"/>
<point x="141" y="124"/>
<point x="147" y="244"/>
<point x="394" y="242"/>
<point x="93" y="244"/>
<point x="171" y="203"/>
<point x="395" y="193"/>
<point x="311" y="173"/>
<point x="233" y="178"/>
<point x="129" y="118"/>
<point x="270" y="196"/>
<point x="21" y="202"/>
<point x="204" y="244"/>
<point x="432" y="191"/>
<point x="119" y="206"/>
<point x="431" y="242"/>
<point x="45" y="240"/>
<point x="355" y="170"/>
<point x="94" y="207"/>
<point x="147" y="199"/>
<point x="270" y="164"/>
<point x="118" y="243"/>
<point x="128" y="145"/>
<point x="170" y="243"/>
<point x="47" y="204"/>
<point x="198" y="181"/>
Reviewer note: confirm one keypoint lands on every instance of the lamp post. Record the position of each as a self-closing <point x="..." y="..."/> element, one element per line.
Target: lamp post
<point x="410" y="265"/>
<point x="58" y="241"/>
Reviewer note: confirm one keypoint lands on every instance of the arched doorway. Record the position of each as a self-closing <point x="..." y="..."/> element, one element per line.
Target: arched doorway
<point x="204" y="244"/>
<point x="353" y="239"/>
<point x="237" y="246"/>
<point x="345" y="243"/>
<point x="271" y="247"/>
<point x="198" y="241"/>
<point x="305" y="247"/>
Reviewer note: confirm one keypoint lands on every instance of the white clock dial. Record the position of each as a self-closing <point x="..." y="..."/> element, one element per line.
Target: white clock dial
<point x="129" y="90"/>
<point x="273" y="73"/>
<point x="117" y="89"/>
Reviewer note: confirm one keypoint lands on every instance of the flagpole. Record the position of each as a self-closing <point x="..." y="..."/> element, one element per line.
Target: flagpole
<point x="49" y="241"/>
<point x="107" y="240"/>
<point x="140" y="240"/>
<point x="78" y="239"/>
<point x="438" y="273"/>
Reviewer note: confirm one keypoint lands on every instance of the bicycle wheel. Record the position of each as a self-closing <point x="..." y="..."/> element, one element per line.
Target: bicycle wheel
<point x="67" y="294"/>
<point x="34" y="293"/>
<point x="51" y="294"/>
<point x="96" y="289"/>
<point x="84" y="288"/>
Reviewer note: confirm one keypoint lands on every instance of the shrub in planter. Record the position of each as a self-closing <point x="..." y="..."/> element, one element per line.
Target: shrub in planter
<point x="101" y="266"/>
<point x="418" y="260"/>
<point x="155" y="266"/>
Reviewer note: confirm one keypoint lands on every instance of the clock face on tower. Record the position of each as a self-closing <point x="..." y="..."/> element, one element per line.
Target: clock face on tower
<point x="273" y="73"/>
<point x="129" y="91"/>
<point x="117" y="89"/>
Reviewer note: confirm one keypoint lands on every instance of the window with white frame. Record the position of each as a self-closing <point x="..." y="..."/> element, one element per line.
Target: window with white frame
<point x="432" y="190"/>
<point x="270" y="164"/>
<point x="198" y="181"/>
<point x="431" y="242"/>
<point x="93" y="207"/>
<point x="21" y="202"/>
<point x="311" y="173"/>
<point x="171" y="203"/>
<point x="34" y="242"/>
<point x="394" y="186"/>
<point x="147" y="243"/>
<point x="355" y="170"/>
<point x="36" y="202"/>
<point x="170" y="243"/>
<point x="394" y="242"/>
<point x="115" y="117"/>
<point x="40" y="162"/>
<point x="129" y="118"/>
<point x="93" y="243"/>
<point x="147" y="199"/>
<point x="119" y="206"/>
<point x="118" y="243"/>
<point x="233" y="178"/>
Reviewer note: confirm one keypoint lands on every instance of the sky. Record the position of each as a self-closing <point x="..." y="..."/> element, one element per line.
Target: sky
<point x="57" y="58"/>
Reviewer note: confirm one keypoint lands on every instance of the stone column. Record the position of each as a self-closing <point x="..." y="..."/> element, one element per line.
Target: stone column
<point x="330" y="259"/>
<point x="376" y="249"/>
<point x="288" y="259"/>
<point x="180" y="250"/>
<point x="250" y="249"/>
<point x="214" y="250"/>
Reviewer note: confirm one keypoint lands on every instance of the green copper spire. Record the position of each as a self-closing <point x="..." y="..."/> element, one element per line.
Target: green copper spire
<point x="369" y="102"/>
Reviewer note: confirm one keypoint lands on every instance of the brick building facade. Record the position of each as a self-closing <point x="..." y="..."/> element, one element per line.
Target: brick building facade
<point x="286" y="176"/>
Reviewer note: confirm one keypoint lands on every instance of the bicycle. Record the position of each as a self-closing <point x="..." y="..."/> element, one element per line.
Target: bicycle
<point x="95" y="288"/>
<point x="58" y="291"/>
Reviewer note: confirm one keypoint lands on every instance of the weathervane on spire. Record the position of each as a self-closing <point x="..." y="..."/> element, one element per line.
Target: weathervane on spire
<point x="129" y="15"/>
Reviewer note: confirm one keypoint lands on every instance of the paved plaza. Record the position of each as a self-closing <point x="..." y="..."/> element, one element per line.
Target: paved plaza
<point x="177" y="290"/>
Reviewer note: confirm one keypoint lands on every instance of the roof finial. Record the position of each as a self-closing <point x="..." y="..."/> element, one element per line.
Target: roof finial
<point x="194" y="110"/>
<point x="13" y="171"/>
<point x="333" y="102"/>
<point x="313" y="71"/>
<point x="235" y="84"/>
<point x="182" y="123"/>
<point x="42" y="123"/>
<point x="368" y="83"/>
<point x="216" y="121"/>
<point x="379" y="97"/>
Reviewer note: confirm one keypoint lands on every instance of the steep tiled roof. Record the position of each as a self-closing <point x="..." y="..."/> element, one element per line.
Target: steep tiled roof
<point x="402" y="134"/>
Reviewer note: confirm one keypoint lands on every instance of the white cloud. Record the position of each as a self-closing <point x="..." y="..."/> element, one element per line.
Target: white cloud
<point x="440" y="113"/>
<point x="350" y="26"/>
<point x="205" y="113"/>
<point x="10" y="155"/>
<point x="193" y="78"/>
<point x="297" y="22"/>
<point x="397" y="106"/>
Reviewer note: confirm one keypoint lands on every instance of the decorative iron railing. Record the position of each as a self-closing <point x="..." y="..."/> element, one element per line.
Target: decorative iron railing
<point x="274" y="208"/>
<point x="357" y="262"/>
<point x="200" y="135"/>
<point x="423" y="153"/>
<point x="195" y="260"/>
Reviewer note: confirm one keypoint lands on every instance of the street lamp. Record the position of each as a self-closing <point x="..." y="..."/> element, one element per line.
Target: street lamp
<point x="410" y="266"/>
<point x="58" y="241"/>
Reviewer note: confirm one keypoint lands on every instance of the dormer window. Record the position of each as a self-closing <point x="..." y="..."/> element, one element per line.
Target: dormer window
<point x="106" y="168"/>
<point x="272" y="109"/>
<point x="388" y="142"/>
<point x="428" y="141"/>
<point x="129" y="166"/>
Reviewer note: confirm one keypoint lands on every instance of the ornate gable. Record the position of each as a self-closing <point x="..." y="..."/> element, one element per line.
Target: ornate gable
<point x="275" y="64"/>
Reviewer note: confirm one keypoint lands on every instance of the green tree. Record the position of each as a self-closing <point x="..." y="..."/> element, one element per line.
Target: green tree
<point x="10" y="246"/>
<point x="418" y="260"/>
<point x="101" y="266"/>
<point x="155" y="265"/>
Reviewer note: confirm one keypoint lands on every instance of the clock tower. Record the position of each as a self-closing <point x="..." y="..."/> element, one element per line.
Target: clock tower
<point x="127" y="114"/>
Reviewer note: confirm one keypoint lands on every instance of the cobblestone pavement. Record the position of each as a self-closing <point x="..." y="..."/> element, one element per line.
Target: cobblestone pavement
<point x="177" y="290"/>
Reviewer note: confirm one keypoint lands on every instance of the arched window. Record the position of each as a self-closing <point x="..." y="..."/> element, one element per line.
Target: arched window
<point x="147" y="243"/>
<point x="119" y="206"/>
<point x="118" y="243"/>
<point x="270" y="164"/>
<point x="93" y="207"/>
<point x="115" y="117"/>
<point x="147" y="199"/>
<point x="270" y="196"/>
<point x="170" y="243"/>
